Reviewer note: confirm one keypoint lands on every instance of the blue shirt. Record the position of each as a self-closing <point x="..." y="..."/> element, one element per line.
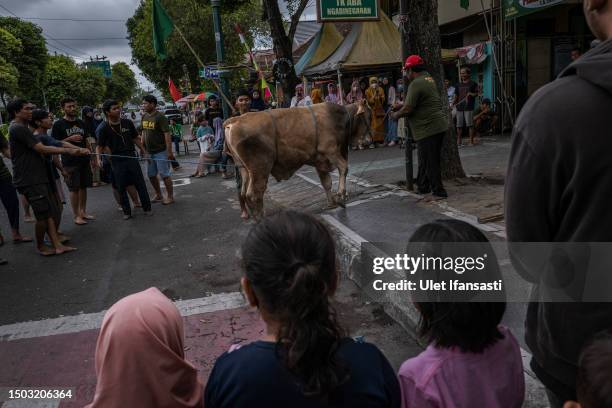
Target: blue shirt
<point x="253" y="376"/>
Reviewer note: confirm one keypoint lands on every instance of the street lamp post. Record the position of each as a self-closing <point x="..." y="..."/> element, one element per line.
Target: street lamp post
<point x="216" y="5"/>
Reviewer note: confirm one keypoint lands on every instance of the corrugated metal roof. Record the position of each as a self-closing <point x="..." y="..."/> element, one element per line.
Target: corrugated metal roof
<point x="304" y="32"/>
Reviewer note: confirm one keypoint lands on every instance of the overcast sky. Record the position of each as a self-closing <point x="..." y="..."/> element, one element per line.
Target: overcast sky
<point x="84" y="39"/>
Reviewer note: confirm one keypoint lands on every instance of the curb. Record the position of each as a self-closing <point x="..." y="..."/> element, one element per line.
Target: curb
<point x="400" y="309"/>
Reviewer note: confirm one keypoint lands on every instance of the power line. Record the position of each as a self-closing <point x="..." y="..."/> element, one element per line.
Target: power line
<point x="92" y="39"/>
<point x="46" y="36"/>
<point x="111" y="20"/>
<point x="64" y="52"/>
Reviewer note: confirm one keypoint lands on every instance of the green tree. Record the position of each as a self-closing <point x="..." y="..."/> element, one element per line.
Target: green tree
<point x="65" y="78"/>
<point x="90" y="87"/>
<point x="9" y="75"/>
<point x="282" y="39"/>
<point x="122" y="84"/>
<point x="30" y="61"/>
<point x="194" y="19"/>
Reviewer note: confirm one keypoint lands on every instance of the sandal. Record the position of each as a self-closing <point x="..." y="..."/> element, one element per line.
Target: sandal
<point x="22" y="240"/>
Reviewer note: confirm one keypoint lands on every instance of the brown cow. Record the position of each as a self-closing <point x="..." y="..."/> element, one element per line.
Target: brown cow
<point x="279" y="142"/>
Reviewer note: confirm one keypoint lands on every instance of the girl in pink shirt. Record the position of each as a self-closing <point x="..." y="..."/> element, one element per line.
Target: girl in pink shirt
<point x="471" y="360"/>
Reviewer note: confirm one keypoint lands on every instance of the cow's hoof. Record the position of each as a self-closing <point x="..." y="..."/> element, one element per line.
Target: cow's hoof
<point x="340" y="200"/>
<point x="244" y="216"/>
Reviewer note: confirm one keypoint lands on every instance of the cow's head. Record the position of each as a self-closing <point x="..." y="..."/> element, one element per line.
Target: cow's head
<point x="361" y="131"/>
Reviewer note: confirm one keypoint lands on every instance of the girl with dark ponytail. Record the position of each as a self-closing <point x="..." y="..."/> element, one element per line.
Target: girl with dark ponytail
<point x="304" y="359"/>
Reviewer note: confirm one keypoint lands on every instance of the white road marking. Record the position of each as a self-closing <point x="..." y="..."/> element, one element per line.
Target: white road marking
<point x="308" y="179"/>
<point x="179" y="182"/>
<point x="346" y="231"/>
<point x="78" y="323"/>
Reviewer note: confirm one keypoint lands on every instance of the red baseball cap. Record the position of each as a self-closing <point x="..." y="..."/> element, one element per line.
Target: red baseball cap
<point x="413" y="60"/>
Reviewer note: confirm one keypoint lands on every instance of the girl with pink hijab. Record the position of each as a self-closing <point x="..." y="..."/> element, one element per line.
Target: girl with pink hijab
<point x="355" y="95"/>
<point x="140" y="360"/>
<point x="332" y="94"/>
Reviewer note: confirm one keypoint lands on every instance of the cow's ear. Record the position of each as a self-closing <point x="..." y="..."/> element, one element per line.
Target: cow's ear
<point x="361" y="108"/>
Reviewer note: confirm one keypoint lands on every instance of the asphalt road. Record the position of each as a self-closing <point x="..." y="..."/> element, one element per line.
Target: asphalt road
<point x="188" y="249"/>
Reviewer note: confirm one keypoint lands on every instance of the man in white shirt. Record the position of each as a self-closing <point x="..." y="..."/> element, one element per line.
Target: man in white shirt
<point x="299" y="99"/>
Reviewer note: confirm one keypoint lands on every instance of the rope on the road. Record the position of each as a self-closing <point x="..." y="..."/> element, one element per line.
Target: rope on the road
<point x="139" y="158"/>
<point x="368" y="164"/>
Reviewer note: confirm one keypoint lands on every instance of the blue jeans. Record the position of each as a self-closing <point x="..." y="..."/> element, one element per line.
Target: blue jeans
<point x="391" y="135"/>
<point x="159" y="164"/>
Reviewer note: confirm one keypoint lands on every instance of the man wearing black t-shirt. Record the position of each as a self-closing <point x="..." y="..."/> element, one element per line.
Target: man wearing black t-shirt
<point x="30" y="175"/>
<point x="118" y="137"/>
<point x="213" y="111"/>
<point x="72" y="129"/>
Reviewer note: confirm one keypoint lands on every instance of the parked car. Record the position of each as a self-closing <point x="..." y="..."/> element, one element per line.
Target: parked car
<point x="175" y="114"/>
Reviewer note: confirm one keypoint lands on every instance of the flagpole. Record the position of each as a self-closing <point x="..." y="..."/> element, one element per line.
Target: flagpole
<point x="202" y="64"/>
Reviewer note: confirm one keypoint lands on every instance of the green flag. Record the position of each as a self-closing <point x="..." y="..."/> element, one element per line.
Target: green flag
<point x="465" y="4"/>
<point x="162" y="28"/>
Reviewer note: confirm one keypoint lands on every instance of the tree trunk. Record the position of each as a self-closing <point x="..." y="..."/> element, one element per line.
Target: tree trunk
<point x="423" y="36"/>
<point x="3" y="104"/>
<point x="282" y="45"/>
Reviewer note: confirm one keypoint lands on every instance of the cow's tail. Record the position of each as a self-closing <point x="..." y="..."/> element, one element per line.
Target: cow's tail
<point x="227" y="144"/>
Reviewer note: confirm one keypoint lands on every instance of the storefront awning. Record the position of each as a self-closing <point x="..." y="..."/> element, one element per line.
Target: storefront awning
<point x="468" y="55"/>
<point x="369" y="44"/>
<point x="323" y="45"/>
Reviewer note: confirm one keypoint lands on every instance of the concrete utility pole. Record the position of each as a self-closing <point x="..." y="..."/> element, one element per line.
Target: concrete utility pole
<point x="216" y="5"/>
<point x="408" y="137"/>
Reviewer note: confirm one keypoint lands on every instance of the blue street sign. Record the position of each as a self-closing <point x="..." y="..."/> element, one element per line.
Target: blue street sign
<point x="209" y="72"/>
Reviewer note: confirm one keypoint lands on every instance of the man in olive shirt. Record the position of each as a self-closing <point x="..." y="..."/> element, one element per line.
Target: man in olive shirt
<point x="157" y="141"/>
<point x="428" y="125"/>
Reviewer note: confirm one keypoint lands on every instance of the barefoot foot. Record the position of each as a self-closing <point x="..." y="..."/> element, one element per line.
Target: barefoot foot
<point x="62" y="249"/>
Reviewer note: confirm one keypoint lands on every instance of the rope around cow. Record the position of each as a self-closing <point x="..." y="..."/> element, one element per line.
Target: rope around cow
<point x="139" y="158"/>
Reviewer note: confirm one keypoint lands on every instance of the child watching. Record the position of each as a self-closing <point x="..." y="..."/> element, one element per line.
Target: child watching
<point x="594" y="383"/>
<point x="176" y="130"/>
<point x="205" y="137"/>
<point x="471" y="360"/>
<point x="304" y="358"/>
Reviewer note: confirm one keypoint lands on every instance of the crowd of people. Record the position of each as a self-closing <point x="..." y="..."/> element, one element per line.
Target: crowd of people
<point x="93" y="150"/>
<point x="555" y="192"/>
<point x="382" y="95"/>
<point x="81" y="150"/>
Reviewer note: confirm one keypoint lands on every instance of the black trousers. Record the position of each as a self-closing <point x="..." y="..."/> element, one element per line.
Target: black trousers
<point x="8" y="195"/>
<point x="429" y="178"/>
<point x="127" y="172"/>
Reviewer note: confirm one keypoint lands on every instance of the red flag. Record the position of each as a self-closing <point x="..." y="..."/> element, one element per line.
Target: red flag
<point x="174" y="92"/>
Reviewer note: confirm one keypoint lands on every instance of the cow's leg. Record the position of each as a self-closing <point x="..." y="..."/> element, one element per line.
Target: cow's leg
<point x="242" y="195"/>
<point x="326" y="182"/>
<point x="255" y="193"/>
<point x="343" y="172"/>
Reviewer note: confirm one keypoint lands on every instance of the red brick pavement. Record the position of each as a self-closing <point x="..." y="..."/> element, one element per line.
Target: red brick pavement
<point x="67" y="360"/>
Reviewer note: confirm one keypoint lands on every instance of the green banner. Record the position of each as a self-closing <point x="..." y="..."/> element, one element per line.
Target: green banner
<point x="347" y="10"/>
<point x="518" y="8"/>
